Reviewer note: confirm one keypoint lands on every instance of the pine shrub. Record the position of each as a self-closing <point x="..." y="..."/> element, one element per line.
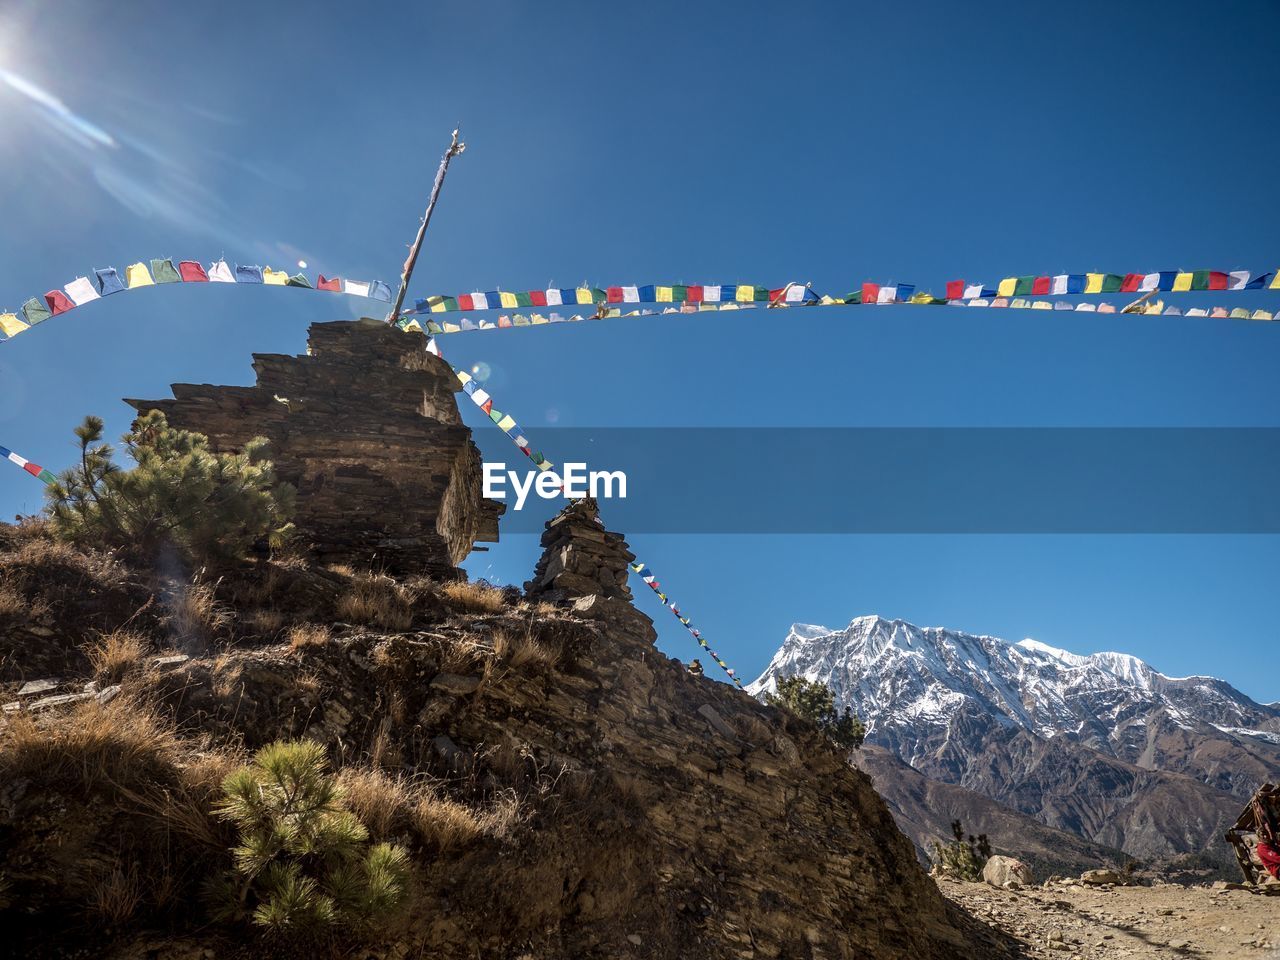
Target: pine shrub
<point x="304" y="865"/>
<point x="962" y="859"/>
<point x="210" y="506"/>
<point x="814" y="701"/>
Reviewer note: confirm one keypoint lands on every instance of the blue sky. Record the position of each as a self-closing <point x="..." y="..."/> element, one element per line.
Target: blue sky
<point x="663" y="142"/>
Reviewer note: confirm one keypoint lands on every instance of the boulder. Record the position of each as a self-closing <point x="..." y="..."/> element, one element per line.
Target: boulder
<point x="1096" y="878"/>
<point x="1001" y="870"/>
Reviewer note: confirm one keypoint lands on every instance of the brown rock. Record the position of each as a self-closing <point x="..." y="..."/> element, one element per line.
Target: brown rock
<point x="367" y="429"/>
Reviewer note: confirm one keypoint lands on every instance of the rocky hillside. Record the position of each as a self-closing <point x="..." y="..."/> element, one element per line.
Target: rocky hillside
<point x="560" y="788"/>
<point x="925" y="810"/>
<point x="1101" y="746"/>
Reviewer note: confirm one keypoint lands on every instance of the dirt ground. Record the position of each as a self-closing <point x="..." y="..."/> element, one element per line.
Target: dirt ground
<point x="1163" y="921"/>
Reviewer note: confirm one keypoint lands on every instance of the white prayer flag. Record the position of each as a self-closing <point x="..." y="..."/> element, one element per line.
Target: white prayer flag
<point x="479" y="301"/>
<point x="1059" y="286"/>
<point x="887" y="295"/>
<point x="630" y="295"/>
<point x="553" y="298"/>
<point x="17" y="459"/>
<point x="1238" y="279"/>
<point x="357" y="288"/>
<point x="1086" y="307"/>
<point x="711" y="294"/>
<point x="1197" y="312"/>
<point x="219" y="272"/>
<point x="81" y="291"/>
<point x="1150" y="282"/>
<point x="973" y="291"/>
<point x="795" y="293"/>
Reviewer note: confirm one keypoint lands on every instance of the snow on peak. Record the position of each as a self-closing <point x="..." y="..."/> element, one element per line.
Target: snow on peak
<point x="902" y="679"/>
<point x="808" y="631"/>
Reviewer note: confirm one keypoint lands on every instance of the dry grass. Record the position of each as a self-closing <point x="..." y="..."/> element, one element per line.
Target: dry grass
<point x="475" y="597"/>
<point x="304" y="635"/>
<point x="195" y="613"/>
<point x="12" y="603"/>
<point x="119" y="742"/>
<point x="377" y="600"/>
<point x="462" y="655"/>
<point x="115" y="655"/>
<point x="266" y="621"/>
<point x="525" y="649"/>
<point x="389" y="806"/>
<point x="115" y="898"/>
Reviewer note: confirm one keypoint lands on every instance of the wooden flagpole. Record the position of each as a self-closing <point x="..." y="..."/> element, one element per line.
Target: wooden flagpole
<point x="455" y="148"/>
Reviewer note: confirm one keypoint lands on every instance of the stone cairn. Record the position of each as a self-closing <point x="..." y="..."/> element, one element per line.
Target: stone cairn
<point x="367" y="428"/>
<point x="580" y="558"/>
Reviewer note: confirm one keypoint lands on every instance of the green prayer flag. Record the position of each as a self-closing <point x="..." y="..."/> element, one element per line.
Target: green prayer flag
<point x="298" y="280"/>
<point x="450" y="303"/>
<point x="1112" y="282"/>
<point x="761" y="295"/>
<point x="1200" y="280"/>
<point x="598" y="295"/>
<point x="1024" y="286"/>
<point x="679" y="293"/>
<point x="523" y="300"/>
<point x="35" y="311"/>
<point x="163" y="271"/>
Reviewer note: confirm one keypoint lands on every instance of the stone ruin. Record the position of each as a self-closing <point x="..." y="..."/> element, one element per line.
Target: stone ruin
<point x="366" y="427"/>
<point x="580" y="558"/>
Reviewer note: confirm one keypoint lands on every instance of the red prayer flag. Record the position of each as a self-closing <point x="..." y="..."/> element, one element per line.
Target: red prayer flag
<point x="1217" y="280"/>
<point x="870" y="291"/>
<point x="776" y="295"/>
<point x="1131" y="283"/>
<point x="58" y="302"/>
<point x="955" y="289"/>
<point x="538" y="298"/>
<point x="504" y="321"/>
<point x="465" y="302"/>
<point x="1040" y="286"/>
<point x="333" y="286"/>
<point x="33" y="469"/>
<point x="614" y="294"/>
<point x="694" y="295"/>
<point x="192" y="272"/>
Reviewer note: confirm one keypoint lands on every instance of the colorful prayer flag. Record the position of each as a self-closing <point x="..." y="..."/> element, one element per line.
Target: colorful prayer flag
<point x="192" y="272"/>
<point x="137" y="276"/>
<point x="81" y="290"/>
<point x="163" y="271"/>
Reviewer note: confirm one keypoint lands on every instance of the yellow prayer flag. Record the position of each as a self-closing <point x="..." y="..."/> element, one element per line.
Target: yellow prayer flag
<point x="922" y="298"/>
<point x="663" y="295"/>
<point x="1042" y="305"/>
<point x="1239" y="313"/>
<point x="546" y="465"/>
<point x="745" y="294"/>
<point x="1257" y="315"/>
<point x="1093" y="282"/>
<point x="137" y="276"/>
<point x="507" y="298"/>
<point x="1182" y="282"/>
<point x="584" y="295"/>
<point x="11" y="325"/>
<point x="414" y="325"/>
<point x="540" y="318"/>
<point x="448" y="327"/>
<point x="437" y="304"/>
<point x="463" y="376"/>
<point x="1007" y="286"/>
<point x="1275" y="282"/>
<point x="506" y="423"/>
<point x="277" y="277"/>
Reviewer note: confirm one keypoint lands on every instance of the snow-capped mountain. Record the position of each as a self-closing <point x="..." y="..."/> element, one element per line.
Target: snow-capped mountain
<point x="1012" y="720"/>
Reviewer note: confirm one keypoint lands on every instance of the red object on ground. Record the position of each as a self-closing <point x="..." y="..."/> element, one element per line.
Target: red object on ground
<point x="1270" y="858"/>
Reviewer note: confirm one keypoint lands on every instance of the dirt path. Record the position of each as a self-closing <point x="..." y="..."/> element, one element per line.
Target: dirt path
<point x="1166" y="921"/>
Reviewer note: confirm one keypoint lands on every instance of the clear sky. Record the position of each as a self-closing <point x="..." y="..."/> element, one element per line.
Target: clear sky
<point x="677" y="142"/>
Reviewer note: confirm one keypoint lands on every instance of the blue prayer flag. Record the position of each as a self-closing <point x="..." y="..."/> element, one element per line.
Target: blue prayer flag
<point x="248" y="274"/>
<point x="108" y="281"/>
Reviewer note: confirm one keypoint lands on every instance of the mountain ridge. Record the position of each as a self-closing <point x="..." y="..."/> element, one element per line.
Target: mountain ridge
<point x="1102" y="745"/>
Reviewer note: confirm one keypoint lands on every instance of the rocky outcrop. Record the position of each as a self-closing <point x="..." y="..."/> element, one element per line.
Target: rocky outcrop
<point x="580" y="557"/>
<point x="366" y="427"/>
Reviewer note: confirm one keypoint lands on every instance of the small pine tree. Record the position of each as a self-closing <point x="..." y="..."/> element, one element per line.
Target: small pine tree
<point x="211" y="506"/>
<point x="962" y="859"/>
<point x="814" y="701"/>
<point x="304" y="864"/>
